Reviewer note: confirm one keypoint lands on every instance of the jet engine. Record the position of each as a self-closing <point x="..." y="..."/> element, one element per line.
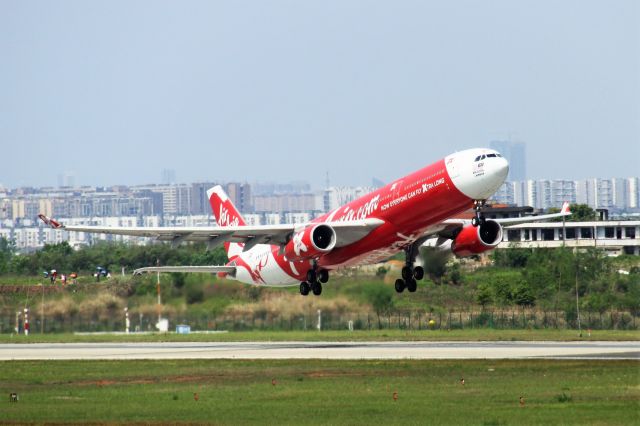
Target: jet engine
<point x="477" y="239"/>
<point x="310" y="242"/>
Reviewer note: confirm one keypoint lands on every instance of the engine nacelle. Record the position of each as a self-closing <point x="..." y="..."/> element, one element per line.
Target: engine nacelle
<point x="477" y="239"/>
<point x="310" y="242"/>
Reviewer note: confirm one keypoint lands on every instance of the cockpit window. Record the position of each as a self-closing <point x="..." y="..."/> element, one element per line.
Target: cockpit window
<point x="477" y="158"/>
<point x="490" y="155"/>
<point x="499" y="155"/>
<point x="483" y="157"/>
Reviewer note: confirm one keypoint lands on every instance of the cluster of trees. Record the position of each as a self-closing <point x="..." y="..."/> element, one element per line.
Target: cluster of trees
<point x="545" y="278"/>
<point x="111" y="256"/>
<point x="550" y="278"/>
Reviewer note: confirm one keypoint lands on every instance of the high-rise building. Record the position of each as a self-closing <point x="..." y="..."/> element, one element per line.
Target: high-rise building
<point x="515" y="153"/>
<point x="240" y="195"/>
<point x="633" y="185"/>
<point x="531" y="190"/>
<point x="199" y="200"/>
<point x="168" y="176"/>
<point x="505" y="194"/>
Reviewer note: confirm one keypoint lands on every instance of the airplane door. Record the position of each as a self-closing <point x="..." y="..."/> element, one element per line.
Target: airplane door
<point x="397" y="187"/>
<point x="453" y="167"/>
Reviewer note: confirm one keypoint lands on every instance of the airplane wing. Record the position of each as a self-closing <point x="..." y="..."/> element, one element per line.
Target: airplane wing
<point x="231" y="270"/>
<point x="346" y="232"/>
<point x="564" y="211"/>
<point x="449" y="228"/>
<point x="516" y="220"/>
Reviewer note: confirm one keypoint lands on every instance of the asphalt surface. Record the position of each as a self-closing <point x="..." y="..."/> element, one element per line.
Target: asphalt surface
<point x="322" y="350"/>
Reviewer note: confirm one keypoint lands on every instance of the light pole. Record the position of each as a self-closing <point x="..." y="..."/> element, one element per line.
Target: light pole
<point x="159" y="306"/>
<point x="42" y="313"/>
<point x="577" y="297"/>
<point x="126" y="319"/>
<point x="26" y="321"/>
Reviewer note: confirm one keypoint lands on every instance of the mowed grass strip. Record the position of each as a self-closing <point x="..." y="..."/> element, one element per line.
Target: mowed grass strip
<point x="477" y="334"/>
<point x="323" y="392"/>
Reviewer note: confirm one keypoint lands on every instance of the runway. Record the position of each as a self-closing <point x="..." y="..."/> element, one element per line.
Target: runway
<point x="321" y="350"/>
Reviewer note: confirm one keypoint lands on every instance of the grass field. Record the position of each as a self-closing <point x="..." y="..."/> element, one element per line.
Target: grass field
<point x="323" y="392"/>
<point x="478" y="334"/>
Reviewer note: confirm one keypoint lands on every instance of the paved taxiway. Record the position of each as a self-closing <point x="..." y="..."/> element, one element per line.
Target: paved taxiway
<point x="322" y="350"/>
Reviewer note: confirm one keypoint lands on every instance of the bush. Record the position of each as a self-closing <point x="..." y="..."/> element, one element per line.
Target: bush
<point x="194" y="293"/>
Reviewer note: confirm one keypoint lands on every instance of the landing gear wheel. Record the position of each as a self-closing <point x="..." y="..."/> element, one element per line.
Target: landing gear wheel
<point x="479" y="217"/>
<point x="304" y="288"/>
<point x="316" y="288"/>
<point x="311" y="275"/>
<point x="400" y="285"/>
<point x="418" y="273"/>
<point x="412" y="285"/>
<point x="323" y="276"/>
<point x="407" y="273"/>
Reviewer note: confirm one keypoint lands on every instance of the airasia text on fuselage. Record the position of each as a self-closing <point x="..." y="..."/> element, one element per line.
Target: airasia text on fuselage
<point x="362" y="213"/>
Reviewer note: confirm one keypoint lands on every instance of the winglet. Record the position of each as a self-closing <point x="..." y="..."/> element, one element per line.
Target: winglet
<point x="565" y="208"/>
<point x="51" y="222"/>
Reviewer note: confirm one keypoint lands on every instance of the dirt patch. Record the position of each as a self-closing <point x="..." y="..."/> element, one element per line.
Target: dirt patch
<point x="147" y="380"/>
<point x="72" y="398"/>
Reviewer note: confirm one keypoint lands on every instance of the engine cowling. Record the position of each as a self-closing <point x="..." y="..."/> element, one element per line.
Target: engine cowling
<point x="310" y="242"/>
<point x="477" y="239"/>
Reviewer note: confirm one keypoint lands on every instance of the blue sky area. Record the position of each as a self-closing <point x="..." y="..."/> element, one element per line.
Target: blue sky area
<point x="289" y="90"/>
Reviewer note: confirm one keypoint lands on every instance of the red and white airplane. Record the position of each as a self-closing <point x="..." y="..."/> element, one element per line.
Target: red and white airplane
<point x="414" y="210"/>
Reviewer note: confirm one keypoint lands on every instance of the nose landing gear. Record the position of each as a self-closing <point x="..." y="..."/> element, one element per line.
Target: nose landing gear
<point x="478" y="219"/>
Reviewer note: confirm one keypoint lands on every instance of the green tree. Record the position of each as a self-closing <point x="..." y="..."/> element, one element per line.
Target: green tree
<point x="502" y="291"/>
<point x="484" y="295"/>
<point x="380" y="297"/>
<point x="513" y="257"/>
<point x="523" y="294"/>
<point x="7" y="251"/>
<point x="434" y="262"/>
<point x="579" y="213"/>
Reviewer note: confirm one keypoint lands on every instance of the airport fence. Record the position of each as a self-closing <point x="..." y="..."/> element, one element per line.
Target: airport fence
<point x="407" y="320"/>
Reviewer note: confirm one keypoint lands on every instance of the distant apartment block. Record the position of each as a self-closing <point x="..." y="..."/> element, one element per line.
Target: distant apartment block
<point x="614" y="194"/>
<point x="287" y="203"/>
<point x="337" y="196"/>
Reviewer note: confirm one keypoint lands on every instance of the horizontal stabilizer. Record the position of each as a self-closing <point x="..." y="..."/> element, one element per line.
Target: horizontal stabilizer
<point x="201" y="269"/>
<point x="51" y="222"/>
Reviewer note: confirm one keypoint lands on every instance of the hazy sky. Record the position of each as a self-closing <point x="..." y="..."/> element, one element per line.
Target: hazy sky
<point x="116" y="91"/>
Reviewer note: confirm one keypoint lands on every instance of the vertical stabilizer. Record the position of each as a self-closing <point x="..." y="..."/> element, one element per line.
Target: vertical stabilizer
<point x="226" y="214"/>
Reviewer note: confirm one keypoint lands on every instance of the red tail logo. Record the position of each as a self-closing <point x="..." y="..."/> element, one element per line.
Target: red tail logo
<point x="226" y="215"/>
<point x="223" y="209"/>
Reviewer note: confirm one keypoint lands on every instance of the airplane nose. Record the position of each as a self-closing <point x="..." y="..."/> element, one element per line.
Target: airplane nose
<point x="501" y="169"/>
<point x="479" y="178"/>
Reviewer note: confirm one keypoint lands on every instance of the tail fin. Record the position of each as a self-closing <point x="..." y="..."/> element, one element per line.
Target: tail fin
<point x="226" y="214"/>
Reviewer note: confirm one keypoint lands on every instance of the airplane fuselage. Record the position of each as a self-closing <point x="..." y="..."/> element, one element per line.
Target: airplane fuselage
<point x="408" y="207"/>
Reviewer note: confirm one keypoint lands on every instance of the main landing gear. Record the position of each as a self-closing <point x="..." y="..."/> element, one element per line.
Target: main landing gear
<point x="315" y="279"/>
<point x="410" y="275"/>
<point x="478" y="219"/>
